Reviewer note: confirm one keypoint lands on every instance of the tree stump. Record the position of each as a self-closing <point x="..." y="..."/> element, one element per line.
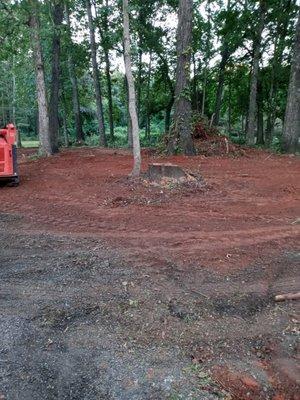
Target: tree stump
<point x="163" y="173"/>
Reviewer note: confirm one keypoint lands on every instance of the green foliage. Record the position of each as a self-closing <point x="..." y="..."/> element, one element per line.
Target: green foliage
<point x="217" y="29"/>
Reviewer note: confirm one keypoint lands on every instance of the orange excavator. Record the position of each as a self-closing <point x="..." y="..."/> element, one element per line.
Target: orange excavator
<point x="8" y="156"/>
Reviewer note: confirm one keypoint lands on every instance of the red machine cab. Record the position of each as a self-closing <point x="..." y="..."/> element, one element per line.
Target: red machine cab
<point x="8" y="155"/>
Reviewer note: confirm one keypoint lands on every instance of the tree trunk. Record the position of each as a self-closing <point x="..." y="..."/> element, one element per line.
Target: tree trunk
<point x="260" y="113"/>
<point x="229" y="110"/>
<point x="129" y="126"/>
<point x="170" y="104"/>
<point x="19" y="141"/>
<point x="58" y="13"/>
<point x="96" y="76"/>
<point x="104" y="34"/>
<point x="182" y="115"/>
<point x="168" y="115"/>
<point x="252" y="110"/>
<point x="109" y="95"/>
<point x="43" y="124"/>
<point x="225" y="55"/>
<point x="204" y="92"/>
<point x="148" y="102"/>
<point x="139" y="81"/>
<point x="280" y="43"/>
<point x="74" y="83"/>
<point x="207" y="57"/>
<point x="221" y="81"/>
<point x="131" y="93"/>
<point x="291" y="129"/>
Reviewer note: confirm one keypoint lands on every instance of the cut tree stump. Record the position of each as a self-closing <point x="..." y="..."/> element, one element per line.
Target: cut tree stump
<point x="158" y="171"/>
<point x="161" y="171"/>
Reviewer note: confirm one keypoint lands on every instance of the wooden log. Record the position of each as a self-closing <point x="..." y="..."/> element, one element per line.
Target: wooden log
<point x="287" y="296"/>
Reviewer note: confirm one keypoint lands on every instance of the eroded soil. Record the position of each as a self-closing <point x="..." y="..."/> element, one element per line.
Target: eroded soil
<point x="114" y="289"/>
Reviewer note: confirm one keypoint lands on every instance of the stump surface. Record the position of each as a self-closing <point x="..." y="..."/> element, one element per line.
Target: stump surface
<point x="158" y="171"/>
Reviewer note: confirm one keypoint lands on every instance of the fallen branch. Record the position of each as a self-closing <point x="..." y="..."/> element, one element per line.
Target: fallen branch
<point x="287" y="296"/>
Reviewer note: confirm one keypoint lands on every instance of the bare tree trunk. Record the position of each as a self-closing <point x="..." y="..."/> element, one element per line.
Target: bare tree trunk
<point x="252" y="110"/>
<point x="129" y="125"/>
<point x="182" y="115"/>
<point x="74" y="83"/>
<point x="96" y="76"/>
<point x="229" y="110"/>
<point x="204" y="92"/>
<point x="64" y="119"/>
<point x="207" y="57"/>
<point x="139" y="81"/>
<point x="168" y="115"/>
<point x="221" y="81"/>
<point x="260" y="113"/>
<point x="44" y="131"/>
<point x="291" y="129"/>
<point x="131" y="93"/>
<point x="19" y="141"/>
<point x="148" y="102"/>
<point x="109" y="95"/>
<point x="225" y="55"/>
<point x="280" y="43"/>
<point x="104" y="34"/>
<point x="58" y="13"/>
<point x="170" y="104"/>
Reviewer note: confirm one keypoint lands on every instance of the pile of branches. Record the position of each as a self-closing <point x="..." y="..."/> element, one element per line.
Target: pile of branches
<point x="209" y="141"/>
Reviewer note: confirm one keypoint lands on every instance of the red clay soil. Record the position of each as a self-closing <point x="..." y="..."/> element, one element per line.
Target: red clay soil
<point x="247" y="208"/>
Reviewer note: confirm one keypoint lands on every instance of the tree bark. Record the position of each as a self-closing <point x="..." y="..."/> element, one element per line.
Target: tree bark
<point x="74" y="83"/>
<point x="104" y="34"/>
<point x="148" y="102"/>
<point x="129" y="126"/>
<point x="109" y="95"/>
<point x="252" y="110"/>
<point x="221" y="80"/>
<point x="14" y="101"/>
<point x="225" y="55"/>
<point x="207" y="57"/>
<point x="131" y="93"/>
<point x="280" y="43"/>
<point x="58" y="13"/>
<point x="291" y="129"/>
<point x="260" y="113"/>
<point x="43" y="112"/>
<point x="182" y="115"/>
<point x="96" y="76"/>
<point x="229" y="110"/>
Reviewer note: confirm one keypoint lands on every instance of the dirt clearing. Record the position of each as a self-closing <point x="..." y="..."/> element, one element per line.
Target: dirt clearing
<point x="113" y="289"/>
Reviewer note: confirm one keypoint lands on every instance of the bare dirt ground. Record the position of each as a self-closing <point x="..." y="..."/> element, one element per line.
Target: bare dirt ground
<point x="113" y="289"/>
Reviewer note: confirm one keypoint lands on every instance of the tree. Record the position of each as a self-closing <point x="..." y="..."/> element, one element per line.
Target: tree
<point x="96" y="75"/>
<point x="131" y="93"/>
<point x="43" y="125"/>
<point x="282" y="16"/>
<point x="225" y="56"/>
<point x="182" y="128"/>
<point x="291" y="130"/>
<point x="105" y="34"/>
<point x="252" y="111"/>
<point x="58" y="13"/>
<point x="74" y="83"/>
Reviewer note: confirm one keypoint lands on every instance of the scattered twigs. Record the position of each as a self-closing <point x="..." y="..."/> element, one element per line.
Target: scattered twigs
<point x="287" y="296"/>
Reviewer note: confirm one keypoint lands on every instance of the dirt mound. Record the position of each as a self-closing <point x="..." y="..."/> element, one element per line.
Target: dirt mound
<point x="210" y="142"/>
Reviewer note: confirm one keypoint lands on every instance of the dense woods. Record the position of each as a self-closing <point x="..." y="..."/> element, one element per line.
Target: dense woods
<point x="233" y="63"/>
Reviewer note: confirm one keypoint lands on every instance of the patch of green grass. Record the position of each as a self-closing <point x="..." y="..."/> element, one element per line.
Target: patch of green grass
<point x="30" y="143"/>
